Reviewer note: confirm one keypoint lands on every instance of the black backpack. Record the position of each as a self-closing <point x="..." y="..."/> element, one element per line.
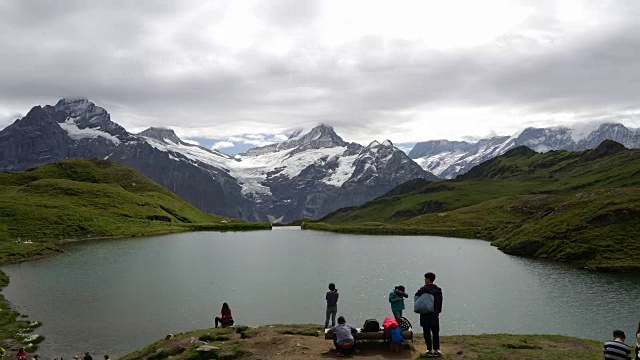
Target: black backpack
<point x="371" y="325"/>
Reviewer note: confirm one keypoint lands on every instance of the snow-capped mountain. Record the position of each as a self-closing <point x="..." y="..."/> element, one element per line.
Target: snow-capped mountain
<point x="448" y="159"/>
<point x="308" y="175"/>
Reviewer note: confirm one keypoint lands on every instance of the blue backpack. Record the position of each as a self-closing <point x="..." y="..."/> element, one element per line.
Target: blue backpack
<point x="396" y="335"/>
<point x="424" y="304"/>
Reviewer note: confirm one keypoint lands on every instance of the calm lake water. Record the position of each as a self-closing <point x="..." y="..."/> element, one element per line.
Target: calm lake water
<point x="115" y="296"/>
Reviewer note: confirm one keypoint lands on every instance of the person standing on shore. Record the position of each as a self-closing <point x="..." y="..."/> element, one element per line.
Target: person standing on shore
<point x="332" y="305"/>
<point x="430" y="321"/>
<point x="616" y="349"/>
<point x="396" y="298"/>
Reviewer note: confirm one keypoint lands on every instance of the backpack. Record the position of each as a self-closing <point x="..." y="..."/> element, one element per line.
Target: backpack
<point x="371" y="325"/>
<point x="424" y="304"/>
<point x="396" y="335"/>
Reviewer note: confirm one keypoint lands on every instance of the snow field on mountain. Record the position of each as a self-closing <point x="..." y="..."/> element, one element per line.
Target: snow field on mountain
<point x="76" y="133"/>
<point x="343" y="173"/>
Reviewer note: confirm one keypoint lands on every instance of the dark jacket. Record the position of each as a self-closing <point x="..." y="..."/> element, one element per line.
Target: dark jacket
<point x="332" y="299"/>
<point x="434" y="290"/>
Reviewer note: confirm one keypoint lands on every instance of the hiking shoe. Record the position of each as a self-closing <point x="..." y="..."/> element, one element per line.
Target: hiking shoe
<point x="437" y="353"/>
<point x="429" y="354"/>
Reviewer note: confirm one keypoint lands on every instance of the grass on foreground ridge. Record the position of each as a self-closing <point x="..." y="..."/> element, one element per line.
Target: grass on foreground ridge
<point x="80" y="199"/>
<point x="85" y="199"/>
<point x="307" y="341"/>
<point x="581" y="207"/>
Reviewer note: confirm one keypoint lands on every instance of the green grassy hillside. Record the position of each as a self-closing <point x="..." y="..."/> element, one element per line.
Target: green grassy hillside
<point x="569" y="206"/>
<point x="79" y="199"/>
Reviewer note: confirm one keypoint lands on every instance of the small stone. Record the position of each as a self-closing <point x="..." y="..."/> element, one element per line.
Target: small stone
<point x="168" y="337"/>
<point x="207" y="348"/>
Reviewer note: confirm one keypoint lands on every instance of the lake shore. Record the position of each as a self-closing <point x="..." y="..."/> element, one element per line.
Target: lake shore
<point x="464" y="233"/>
<point x="15" y="330"/>
<point x="496" y="340"/>
<point x="308" y="342"/>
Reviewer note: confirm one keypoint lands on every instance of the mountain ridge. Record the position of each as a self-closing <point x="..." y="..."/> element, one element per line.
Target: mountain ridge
<point x="448" y="159"/>
<point x="308" y="175"/>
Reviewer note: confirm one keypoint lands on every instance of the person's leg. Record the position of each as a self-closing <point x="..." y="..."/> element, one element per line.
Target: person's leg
<point x="326" y="319"/>
<point x="427" y="337"/>
<point x="218" y="320"/>
<point x="397" y="314"/>
<point x="435" y="329"/>
<point x="333" y="317"/>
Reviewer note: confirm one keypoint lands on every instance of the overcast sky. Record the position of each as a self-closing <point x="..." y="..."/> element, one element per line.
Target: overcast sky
<point x="403" y="70"/>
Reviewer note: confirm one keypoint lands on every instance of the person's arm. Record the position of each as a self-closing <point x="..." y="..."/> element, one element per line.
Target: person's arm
<point x="332" y="330"/>
<point x="326" y="297"/>
<point x="440" y="307"/>
<point x="404" y="294"/>
<point x="393" y="297"/>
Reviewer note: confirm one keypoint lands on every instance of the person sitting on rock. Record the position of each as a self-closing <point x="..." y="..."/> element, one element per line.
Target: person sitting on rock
<point x="226" y="319"/>
<point x="21" y="355"/>
<point x="344" y="341"/>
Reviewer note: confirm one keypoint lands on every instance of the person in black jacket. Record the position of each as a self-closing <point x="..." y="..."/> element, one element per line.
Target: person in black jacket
<point x="430" y="322"/>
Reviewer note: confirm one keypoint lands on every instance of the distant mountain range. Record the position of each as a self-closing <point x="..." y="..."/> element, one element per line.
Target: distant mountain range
<point x="448" y="159"/>
<point x="308" y="175"/>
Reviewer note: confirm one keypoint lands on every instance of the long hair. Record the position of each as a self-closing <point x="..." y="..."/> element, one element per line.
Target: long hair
<point x="225" y="306"/>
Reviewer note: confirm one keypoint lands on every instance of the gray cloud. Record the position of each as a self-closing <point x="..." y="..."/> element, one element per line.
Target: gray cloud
<point x="223" y="72"/>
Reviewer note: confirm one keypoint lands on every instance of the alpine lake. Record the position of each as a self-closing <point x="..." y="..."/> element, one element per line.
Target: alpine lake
<point x="116" y="296"/>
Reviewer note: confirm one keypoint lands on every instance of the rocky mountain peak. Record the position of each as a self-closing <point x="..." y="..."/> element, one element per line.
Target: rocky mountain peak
<point x="82" y="114"/>
<point x="162" y="134"/>
<point x="321" y="136"/>
<point x="75" y="107"/>
<point x="373" y="144"/>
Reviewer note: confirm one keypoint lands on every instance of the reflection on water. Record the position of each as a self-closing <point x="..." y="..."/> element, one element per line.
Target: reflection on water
<point x="116" y="296"/>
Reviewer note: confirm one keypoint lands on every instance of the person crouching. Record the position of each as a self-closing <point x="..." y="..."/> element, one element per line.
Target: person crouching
<point x="344" y="341"/>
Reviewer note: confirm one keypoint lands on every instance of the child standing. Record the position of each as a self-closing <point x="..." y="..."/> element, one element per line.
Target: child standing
<point x="332" y="305"/>
<point x="396" y="298"/>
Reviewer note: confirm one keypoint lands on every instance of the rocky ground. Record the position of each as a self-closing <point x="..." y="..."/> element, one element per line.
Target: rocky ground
<point x="307" y="342"/>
